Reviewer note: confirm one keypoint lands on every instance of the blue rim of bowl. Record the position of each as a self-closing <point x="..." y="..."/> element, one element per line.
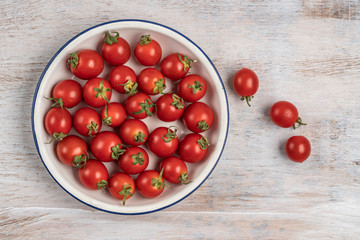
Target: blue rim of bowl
<point x="67" y="43"/>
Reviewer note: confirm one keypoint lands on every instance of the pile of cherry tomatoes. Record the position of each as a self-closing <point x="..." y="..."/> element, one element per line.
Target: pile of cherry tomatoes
<point x="130" y="138"/>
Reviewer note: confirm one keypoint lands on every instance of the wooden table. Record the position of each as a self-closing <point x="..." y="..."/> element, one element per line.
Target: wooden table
<point x="306" y="52"/>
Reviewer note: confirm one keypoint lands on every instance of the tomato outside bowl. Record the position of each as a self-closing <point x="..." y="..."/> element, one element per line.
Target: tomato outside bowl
<point x="171" y="41"/>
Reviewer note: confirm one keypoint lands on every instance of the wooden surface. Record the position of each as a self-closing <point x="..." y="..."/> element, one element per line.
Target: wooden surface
<point x="306" y="52"/>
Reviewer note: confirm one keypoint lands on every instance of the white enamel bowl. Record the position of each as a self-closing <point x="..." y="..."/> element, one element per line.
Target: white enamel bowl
<point x="171" y="41"/>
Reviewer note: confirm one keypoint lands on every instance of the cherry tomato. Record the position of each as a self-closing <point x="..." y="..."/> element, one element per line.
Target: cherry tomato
<point x="175" y="170"/>
<point x="139" y="105"/>
<point x="106" y="146"/>
<point x="67" y="93"/>
<point x="246" y="84"/>
<point x="72" y="151"/>
<point x="147" y="51"/>
<point x="87" y="121"/>
<point x="198" y="117"/>
<point x="97" y="92"/>
<point x="113" y="114"/>
<point x="192" y="88"/>
<point x="176" y="66"/>
<point x="115" y="49"/>
<point x="285" y="114"/>
<point x="123" y="80"/>
<point x="134" y="161"/>
<point x="193" y="147"/>
<point x="86" y="64"/>
<point x="150" y="183"/>
<point x="94" y="175"/>
<point x="134" y="132"/>
<point x="58" y="123"/>
<point x="170" y="107"/>
<point x="151" y="81"/>
<point x="298" y="148"/>
<point x="121" y="186"/>
<point x="163" y="142"/>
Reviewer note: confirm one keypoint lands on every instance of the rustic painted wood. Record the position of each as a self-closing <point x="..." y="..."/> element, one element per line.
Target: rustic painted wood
<point x="307" y="52"/>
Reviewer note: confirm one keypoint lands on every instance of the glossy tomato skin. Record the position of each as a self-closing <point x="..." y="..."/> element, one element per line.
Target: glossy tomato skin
<point x="121" y="186"/>
<point x="284" y="114"/>
<point x="106" y="146"/>
<point x="94" y="175"/>
<point x="87" y="121"/>
<point x="115" y="49"/>
<point x="134" y="161"/>
<point x="70" y="148"/>
<point x="192" y="88"/>
<point x="123" y="79"/>
<point x="86" y="64"/>
<point x="245" y="82"/>
<point x="298" y="148"/>
<point x="97" y="92"/>
<point x="58" y="120"/>
<point x="198" y="117"/>
<point x="174" y="170"/>
<point x="170" y="107"/>
<point x="147" y="51"/>
<point x="134" y="132"/>
<point x="193" y="147"/>
<point x="151" y="81"/>
<point x="150" y="184"/>
<point x="175" y="66"/>
<point x="161" y="143"/>
<point x="69" y="91"/>
<point x="139" y="105"/>
<point x="113" y="114"/>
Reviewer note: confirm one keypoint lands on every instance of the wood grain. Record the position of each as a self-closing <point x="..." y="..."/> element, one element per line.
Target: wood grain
<point x="306" y="52"/>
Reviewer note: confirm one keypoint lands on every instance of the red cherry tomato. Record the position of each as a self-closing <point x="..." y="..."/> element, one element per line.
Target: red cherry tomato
<point x="163" y="142"/>
<point x="170" y="107"/>
<point x="139" y="105"/>
<point x="176" y="66"/>
<point x="150" y="183"/>
<point x="147" y="51"/>
<point x="193" y="148"/>
<point x="106" y="146"/>
<point x="97" y="92"/>
<point x="72" y="151"/>
<point x="67" y="93"/>
<point x="121" y="186"/>
<point x="285" y="114"/>
<point x="113" y="114"/>
<point x="58" y="123"/>
<point x="298" y="148"/>
<point x="175" y="170"/>
<point x="134" y="161"/>
<point x="94" y="175"/>
<point x="192" y="88"/>
<point x="115" y="49"/>
<point x="134" y="132"/>
<point x="123" y="80"/>
<point x="151" y="81"/>
<point x="86" y="64"/>
<point x="87" y="121"/>
<point x="198" y="117"/>
<point x="246" y="84"/>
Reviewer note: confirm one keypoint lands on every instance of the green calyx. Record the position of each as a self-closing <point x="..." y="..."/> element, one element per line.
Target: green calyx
<point x="80" y="160"/>
<point x="178" y="102"/>
<point x="125" y="192"/>
<point x="159" y="86"/>
<point x="186" y="61"/>
<point x="109" y="39"/>
<point x="116" y="151"/>
<point x="298" y="123"/>
<point x="248" y="99"/>
<point x="184" y="178"/>
<point x="57" y="137"/>
<point x="58" y="102"/>
<point x="73" y="60"/>
<point x="138" y="158"/>
<point x="106" y="120"/>
<point x="170" y="135"/>
<point x="139" y="137"/>
<point x="102" y="90"/>
<point x="157" y="182"/>
<point x="203" y="125"/>
<point x="145" y="107"/>
<point x="93" y="128"/>
<point x="145" y="40"/>
<point x="203" y="143"/>
<point x="102" y="185"/>
<point x="130" y="87"/>
<point x="197" y="86"/>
